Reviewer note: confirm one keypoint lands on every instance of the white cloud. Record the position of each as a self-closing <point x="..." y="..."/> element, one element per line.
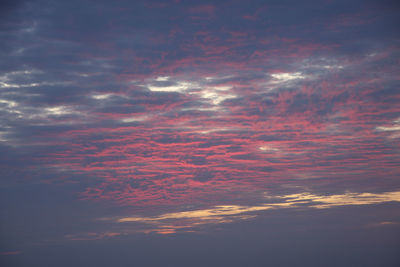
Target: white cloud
<point x="102" y="96"/>
<point x="179" y="87"/>
<point x="394" y="129"/>
<point x="287" y="76"/>
<point x="214" y="94"/>
<point x="134" y="119"/>
<point x="59" y="110"/>
<point x="388" y="128"/>
<point x="162" y="78"/>
<point x="268" y="148"/>
<point x="217" y="94"/>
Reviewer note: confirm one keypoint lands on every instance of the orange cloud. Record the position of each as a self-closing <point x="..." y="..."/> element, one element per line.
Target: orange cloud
<point x="169" y="223"/>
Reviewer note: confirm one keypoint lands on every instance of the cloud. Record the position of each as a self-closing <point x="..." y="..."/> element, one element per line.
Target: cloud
<point x="91" y="236"/>
<point x="153" y="105"/>
<point x="5" y="253"/>
<point x="169" y="223"/>
<point x="179" y="116"/>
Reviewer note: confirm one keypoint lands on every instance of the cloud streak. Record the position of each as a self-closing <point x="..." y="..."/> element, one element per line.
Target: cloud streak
<point x="169" y="223"/>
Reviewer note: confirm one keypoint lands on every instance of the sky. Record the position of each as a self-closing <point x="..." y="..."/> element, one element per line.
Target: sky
<point x="199" y="133"/>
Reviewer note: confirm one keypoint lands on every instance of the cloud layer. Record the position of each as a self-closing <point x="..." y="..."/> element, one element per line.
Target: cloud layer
<point x="173" y="116"/>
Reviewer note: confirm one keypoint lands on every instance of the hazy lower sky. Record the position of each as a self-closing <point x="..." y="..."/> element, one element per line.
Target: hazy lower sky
<point x="199" y="133"/>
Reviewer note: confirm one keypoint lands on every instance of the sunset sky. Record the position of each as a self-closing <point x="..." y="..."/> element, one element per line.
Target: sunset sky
<point x="199" y="133"/>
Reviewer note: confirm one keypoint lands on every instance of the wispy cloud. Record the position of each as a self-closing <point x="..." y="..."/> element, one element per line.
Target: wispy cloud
<point x="169" y="223"/>
<point x="91" y="236"/>
<point x="6" y="253"/>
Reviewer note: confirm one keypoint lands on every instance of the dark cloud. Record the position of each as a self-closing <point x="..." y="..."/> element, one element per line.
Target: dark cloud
<point x="203" y="175"/>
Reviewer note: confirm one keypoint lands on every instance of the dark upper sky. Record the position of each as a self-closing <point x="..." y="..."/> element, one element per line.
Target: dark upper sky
<point x="199" y="133"/>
